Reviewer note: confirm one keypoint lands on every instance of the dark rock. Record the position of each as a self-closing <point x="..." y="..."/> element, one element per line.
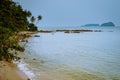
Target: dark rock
<point x="28" y="79"/>
<point x="97" y="31"/>
<point x="34" y="59"/>
<point x="36" y="35"/>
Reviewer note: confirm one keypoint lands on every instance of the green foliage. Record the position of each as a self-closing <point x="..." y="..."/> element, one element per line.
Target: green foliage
<point x="32" y="27"/>
<point x="12" y="20"/>
<point x="32" y="19"/>
<point x="13" y="16"/>
<point x="7" y="44"/>
<point x="39" y="17"/>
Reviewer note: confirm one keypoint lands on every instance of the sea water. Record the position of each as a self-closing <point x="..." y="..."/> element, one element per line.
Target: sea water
<point x="74" y="56"/>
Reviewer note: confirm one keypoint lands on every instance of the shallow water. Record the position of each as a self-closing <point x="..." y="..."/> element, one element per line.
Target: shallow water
<point x="74" y="56"/>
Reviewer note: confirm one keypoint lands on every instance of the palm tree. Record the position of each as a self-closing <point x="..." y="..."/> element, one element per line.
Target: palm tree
<point x="32" y="19"/>
<point x="32" y="26"/>
<point x="39" y="18"/>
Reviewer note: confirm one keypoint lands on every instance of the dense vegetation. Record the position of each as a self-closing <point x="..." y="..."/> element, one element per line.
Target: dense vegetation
<point x="12" y="20"/>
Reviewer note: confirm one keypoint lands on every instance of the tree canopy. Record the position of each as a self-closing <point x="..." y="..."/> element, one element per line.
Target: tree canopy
<point x="12" y="20"/>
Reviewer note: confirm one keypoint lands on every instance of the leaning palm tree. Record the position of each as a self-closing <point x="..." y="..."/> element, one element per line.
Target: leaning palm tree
<point x="39" y="18"/>
<point x="32" y="19"/>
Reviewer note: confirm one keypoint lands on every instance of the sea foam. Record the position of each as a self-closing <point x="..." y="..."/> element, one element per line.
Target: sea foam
<point x="23" y="67"/>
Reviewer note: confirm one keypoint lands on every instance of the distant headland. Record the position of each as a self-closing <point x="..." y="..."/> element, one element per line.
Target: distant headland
<point x="103" y="24"/>
<point x="92" y="25"/>
<point x="108" y="24"/>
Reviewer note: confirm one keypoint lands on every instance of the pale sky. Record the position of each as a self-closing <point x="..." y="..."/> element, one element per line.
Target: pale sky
<point x="73" y="12"/>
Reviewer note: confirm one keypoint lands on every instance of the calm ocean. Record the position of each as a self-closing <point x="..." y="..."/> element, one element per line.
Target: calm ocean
<point x="73" y="56"/>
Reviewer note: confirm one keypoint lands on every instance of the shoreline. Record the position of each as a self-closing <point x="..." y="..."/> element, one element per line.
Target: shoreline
<point x="10" y="71"/>
<point x="68" y="31"/>
<point x="13" y="71"/>
<point x="22" y="66"/>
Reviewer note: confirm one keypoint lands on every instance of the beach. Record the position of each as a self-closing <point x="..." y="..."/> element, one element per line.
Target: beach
<point x="9" y="71"/>
<point x="61" y="56"/>
<point x="59" y="40"/>
<point x="74" y="56"/>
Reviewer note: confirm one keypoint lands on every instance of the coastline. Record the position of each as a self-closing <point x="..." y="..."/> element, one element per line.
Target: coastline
<point x="19" y="70"/>
<point x="10" y="71"/>
<point x="68" y="31"/>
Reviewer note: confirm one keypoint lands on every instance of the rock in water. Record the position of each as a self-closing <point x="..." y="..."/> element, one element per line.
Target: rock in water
<point x="36" y="35"/>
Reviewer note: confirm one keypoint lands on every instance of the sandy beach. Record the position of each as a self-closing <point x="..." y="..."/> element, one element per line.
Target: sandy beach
<point x="9" y="71"/>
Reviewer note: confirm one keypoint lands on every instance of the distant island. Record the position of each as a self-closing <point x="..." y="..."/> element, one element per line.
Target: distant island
<point x="92" y="25"/>
<point x="103" y="24"/>
<point x="108" y="24"/>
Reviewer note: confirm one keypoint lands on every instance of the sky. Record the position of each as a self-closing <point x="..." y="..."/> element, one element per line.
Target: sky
<point x="73" y="12"/>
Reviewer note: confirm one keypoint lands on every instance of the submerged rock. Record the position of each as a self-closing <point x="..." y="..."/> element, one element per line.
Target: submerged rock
<point x="34" y="59"/>
<point x="36" y="35"/>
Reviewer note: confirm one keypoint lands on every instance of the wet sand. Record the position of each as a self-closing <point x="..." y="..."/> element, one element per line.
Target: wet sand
<point x="9" y="71"/>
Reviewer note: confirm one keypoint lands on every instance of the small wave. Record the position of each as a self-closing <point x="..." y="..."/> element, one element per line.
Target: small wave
<point x="23" y="67"/>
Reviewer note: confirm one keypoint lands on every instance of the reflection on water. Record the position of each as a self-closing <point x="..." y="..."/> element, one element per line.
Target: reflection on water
<point x="83" y="56"/>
